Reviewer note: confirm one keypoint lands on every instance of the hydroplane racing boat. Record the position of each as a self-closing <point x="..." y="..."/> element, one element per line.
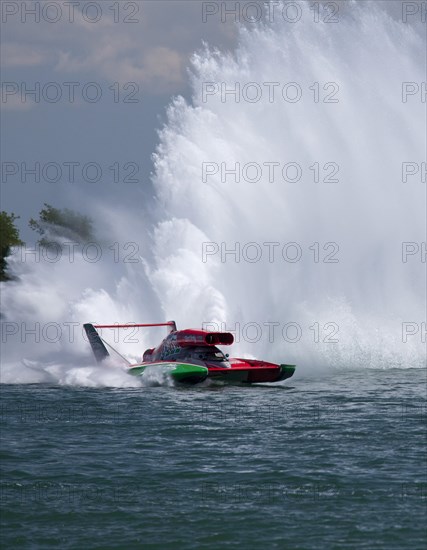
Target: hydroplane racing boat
<point x="191" y="356"/>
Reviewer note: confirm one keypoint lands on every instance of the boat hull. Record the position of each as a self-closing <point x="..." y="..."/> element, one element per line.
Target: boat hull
<point x="185" y="373"/>
<point x="242" y="373"/>
<point x="252" y="374"/>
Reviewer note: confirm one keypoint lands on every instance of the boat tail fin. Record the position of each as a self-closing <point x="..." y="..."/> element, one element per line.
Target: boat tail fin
<point x="172" y="325"/>
<point x="99" y="350"/>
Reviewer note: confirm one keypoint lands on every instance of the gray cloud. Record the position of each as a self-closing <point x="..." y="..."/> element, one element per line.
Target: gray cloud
<point x="154" y="51"/>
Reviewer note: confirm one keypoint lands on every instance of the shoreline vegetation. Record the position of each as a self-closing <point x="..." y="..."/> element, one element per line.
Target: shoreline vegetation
<point x="52" y="225"/>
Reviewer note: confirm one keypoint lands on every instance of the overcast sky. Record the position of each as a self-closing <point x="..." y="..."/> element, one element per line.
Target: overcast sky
<point x="137" y="63"/>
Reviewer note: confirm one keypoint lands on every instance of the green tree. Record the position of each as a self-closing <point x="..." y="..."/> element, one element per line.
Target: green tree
<point x="54" y="224"/>
<point x="9" y="236"/>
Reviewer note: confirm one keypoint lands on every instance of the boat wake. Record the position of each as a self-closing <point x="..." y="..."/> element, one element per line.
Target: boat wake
<point x="36" y="372"/>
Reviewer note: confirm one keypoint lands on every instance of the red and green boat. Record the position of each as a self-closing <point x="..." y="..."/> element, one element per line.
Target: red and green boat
<point x="191" y="356"/>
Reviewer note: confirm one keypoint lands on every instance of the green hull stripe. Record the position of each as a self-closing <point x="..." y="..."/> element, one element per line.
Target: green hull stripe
<point x="181" y="372"/>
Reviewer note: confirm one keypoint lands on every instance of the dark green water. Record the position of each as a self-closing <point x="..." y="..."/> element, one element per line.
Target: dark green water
<point x="333" y="461"/>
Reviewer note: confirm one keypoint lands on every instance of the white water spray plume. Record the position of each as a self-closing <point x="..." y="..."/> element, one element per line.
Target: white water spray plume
<point x="350" y="313"/>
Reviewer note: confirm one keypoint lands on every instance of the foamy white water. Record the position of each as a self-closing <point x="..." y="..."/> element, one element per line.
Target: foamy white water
<point x="345" y="302"/>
